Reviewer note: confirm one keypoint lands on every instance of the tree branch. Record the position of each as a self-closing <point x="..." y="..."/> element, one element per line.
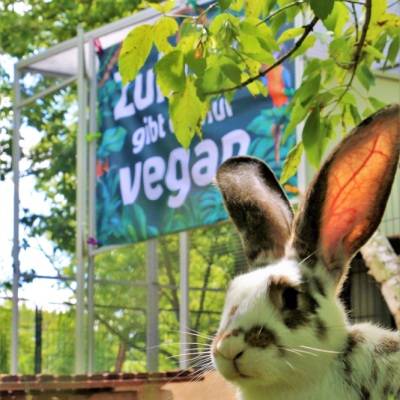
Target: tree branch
<point x="290" y="5"/>
<point x="357" y="54"/>
<point x="384" y="265"/>
<point x="307" y="29"/>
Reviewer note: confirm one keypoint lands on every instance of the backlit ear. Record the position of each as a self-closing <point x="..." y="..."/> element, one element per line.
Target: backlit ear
<point x="346" y="201"/>
<point x="258" y="207"/>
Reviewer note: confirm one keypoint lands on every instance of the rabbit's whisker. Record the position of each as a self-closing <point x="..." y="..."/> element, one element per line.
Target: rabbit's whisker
<point x="290" y="365"/>
<point x="321" y="350"/>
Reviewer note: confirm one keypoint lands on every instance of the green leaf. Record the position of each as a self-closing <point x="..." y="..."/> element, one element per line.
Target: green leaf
<point x="312" y="138"/>
<point x="257" y="87"/>
<point x="393" y="50"/>
<point x="374" y="52"/>
<point x="376" y="103"/>
<point x="196" y="64"/>
<point x="187" y="112"/>
<point x="322" y="8"/>
<point x="237" y="5"/>
<point x="224" y="28"/>
<point x="171" y="73"/>
<point x="134" y="52"/>
<point x="308" y="42"/>
<point x="220" y="76"/>
<point x="337" y="19"/>
<point x="365" y="76"/>
<point x="224" y="4"/>
<point x="254" y="8"/>
<point x="256" y="48"/>
<point x="341" y="50"/>
<point x="232" y="72"/>
<point x="164" y="28"/>
<point x="297" y="115"/>
<point x="308" y="89"/>
<point x="355" y="114"/>
<point x="290" y="34"/>
<point x="161" y="6"/>
<point x="291" y="163"/>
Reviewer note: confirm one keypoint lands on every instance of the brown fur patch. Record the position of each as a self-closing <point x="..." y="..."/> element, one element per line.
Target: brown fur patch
<point x="232" y="311"/>
<point x="365" y="395"/>
<point x="260" y="336"/>
<point x="354" y="339"/>
<point x="388" y="345"/>
<point x="277" y="284"/>
<point x="320" y="328"/>
<point x="237" y="332"/>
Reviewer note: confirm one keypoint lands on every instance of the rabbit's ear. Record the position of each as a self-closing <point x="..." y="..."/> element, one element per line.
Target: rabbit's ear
<point x="257" y="205"/>
<point x="347" y="199"/>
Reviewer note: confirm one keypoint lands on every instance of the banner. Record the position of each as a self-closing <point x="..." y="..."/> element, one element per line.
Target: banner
<point x="147" y="184"/>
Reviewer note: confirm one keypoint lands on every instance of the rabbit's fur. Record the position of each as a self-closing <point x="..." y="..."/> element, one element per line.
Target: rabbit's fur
<point x="284" y="334"/>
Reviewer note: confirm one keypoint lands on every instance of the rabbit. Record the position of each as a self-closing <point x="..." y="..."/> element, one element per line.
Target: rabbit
<point x="284" y="333"/>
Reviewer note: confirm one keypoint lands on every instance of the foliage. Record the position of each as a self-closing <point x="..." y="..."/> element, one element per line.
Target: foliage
<point x="214" y="56"/>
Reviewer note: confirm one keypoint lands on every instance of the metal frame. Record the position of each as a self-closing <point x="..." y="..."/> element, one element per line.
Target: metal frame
<point x="152" y="335"/>
<point x="92" y="209"/>
<point x="15" y="161"/>
<point x="184" y="311"/>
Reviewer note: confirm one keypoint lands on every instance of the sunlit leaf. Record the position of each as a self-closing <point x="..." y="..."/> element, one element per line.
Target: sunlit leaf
<point x="163" y="29"/>
<point x="312" y="138"/>
<point x="290" y="34"/>
<point x="187" y="112"/>
<point x="365" y="76"/>
<point x="291" y="163"/>
<point x="170" y="73"/>
<point x="322" y="8"/>
<point x="337" y="19"/>
<point x="161" y="6"/>
<point x="134" y="52"/>
<point x="224" y="4"/>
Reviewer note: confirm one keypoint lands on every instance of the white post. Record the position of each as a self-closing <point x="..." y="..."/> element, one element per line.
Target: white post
<point x="81" y="189"/>
<point x="16" y="155"/>
<point x="184" y="299"/>
<point x="152" y="306"/>
<point x="91" y="206"/>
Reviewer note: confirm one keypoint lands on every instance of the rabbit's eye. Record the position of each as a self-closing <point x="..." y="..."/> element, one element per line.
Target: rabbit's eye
<point x="290" y="298"/>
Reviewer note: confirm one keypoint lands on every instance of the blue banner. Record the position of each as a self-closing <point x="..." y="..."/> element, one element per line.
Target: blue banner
<point x="147" y="184"/>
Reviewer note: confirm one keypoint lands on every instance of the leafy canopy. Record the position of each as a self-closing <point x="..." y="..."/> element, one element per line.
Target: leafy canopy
<point x="217" y="56"/>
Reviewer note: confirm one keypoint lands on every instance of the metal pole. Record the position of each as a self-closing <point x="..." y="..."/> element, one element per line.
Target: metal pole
<point x="80" y="209"/>
<point x="16" y="155"/>
<point x="152" y="306"/>
<point x="184" y="300"/>
<point x="91" y="206"/>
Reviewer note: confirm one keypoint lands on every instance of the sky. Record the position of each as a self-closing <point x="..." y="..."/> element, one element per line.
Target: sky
<point x="41" y="292"/>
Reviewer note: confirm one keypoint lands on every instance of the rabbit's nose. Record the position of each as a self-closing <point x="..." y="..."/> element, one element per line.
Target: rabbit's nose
<point x="230" y="347"/>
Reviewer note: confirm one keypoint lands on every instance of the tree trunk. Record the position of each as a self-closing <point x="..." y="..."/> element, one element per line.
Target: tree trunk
<point x="384" y="265"/>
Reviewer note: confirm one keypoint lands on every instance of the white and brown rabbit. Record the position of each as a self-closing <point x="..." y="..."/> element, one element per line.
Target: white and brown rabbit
<point x="284" y="334"/>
